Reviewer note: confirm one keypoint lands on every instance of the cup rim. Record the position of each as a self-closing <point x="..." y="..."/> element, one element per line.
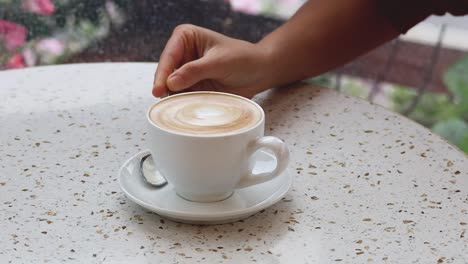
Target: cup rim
<point x="262" y="118"/>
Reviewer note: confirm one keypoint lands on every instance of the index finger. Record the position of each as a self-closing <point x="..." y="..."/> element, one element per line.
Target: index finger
<point x="170" y="59"/>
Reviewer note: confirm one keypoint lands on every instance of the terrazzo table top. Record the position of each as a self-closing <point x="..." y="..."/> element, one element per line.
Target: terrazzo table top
<point x="370" y="185"/>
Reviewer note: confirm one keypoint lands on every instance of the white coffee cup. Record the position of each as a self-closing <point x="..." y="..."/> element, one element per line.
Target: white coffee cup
<point x="208" y="168"/>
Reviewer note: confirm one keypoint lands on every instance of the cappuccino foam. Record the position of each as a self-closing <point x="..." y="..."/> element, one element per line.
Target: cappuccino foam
<point x="205" y="114"/>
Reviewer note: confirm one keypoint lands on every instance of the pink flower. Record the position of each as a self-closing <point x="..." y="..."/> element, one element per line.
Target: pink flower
<point x="42" y="7"/>
<point x="12" y="34"/>
<point x="247" y="6"/>
<point x="286" y="8"/>
<point x="29" y="57"/>
<point x="15" y="62"/>
<point x="292" y="2"/>
<point x="51" y="46"/>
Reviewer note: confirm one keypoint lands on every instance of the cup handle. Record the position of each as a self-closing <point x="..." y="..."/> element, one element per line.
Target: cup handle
<point x="281" y="152"/>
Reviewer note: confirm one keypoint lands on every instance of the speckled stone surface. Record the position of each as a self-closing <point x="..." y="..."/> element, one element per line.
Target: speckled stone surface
<point x="370" y="186"/>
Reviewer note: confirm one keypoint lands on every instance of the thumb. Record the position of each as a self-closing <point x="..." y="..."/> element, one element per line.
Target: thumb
<point x="190" y="74"/>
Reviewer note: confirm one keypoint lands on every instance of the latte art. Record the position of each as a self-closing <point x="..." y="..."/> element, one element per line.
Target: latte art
<point x="205" y="113"/>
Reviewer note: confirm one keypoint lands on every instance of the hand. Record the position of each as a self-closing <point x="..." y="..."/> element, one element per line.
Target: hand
<point x="200" y="59"/>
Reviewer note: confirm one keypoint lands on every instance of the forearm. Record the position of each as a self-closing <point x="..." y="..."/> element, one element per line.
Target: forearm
<point x="322" y="35"/>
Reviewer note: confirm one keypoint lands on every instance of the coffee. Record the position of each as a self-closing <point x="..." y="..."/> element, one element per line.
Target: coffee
<point x="205" y="113"/>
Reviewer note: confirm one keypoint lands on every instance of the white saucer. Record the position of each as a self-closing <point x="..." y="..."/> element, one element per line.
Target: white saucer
<point x="242" y="204"/>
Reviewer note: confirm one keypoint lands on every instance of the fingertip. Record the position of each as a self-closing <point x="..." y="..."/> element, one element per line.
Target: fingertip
<point x="155" y="92"/>
<point x="158" y="91"/>
<point x="159" y="83"/>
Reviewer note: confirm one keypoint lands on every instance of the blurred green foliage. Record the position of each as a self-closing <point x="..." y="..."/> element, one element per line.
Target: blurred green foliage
<point x="445" y="114"/>
<point x="355" y="88"/>
<point x="322" y="80"/>
<point x="76" y="23"/>
<point x="66" y="12"/>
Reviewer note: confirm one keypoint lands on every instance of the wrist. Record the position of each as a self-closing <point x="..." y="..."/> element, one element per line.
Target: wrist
<point x="266" y="76"/>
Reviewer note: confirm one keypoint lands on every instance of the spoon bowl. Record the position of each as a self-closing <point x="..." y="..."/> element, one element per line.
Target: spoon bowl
<point x="149" y="172"/>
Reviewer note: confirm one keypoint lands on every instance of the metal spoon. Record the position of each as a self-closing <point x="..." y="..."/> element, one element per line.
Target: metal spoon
<point x="149" y="172"/>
